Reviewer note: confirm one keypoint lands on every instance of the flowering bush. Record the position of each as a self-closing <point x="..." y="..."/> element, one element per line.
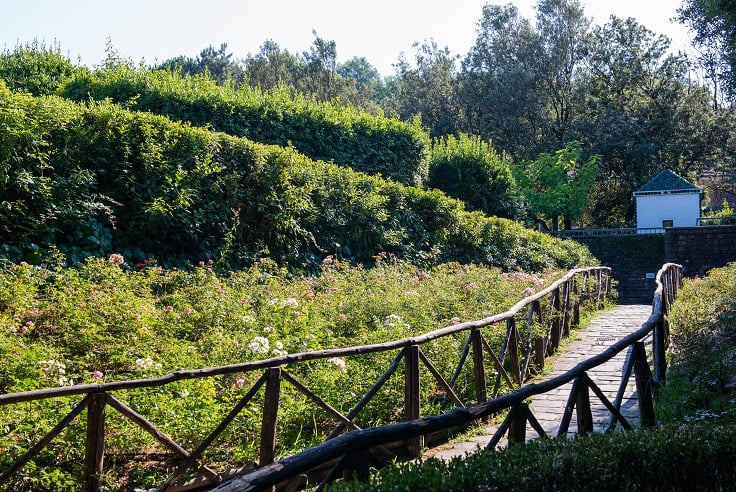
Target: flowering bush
<point x="107" y="321"/>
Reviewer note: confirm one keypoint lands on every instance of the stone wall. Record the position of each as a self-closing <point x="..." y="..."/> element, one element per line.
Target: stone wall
<point x="698" y="249"/>
<point x="634" y="260"/>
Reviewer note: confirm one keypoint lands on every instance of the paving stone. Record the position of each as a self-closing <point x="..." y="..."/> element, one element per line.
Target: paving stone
<point x="603" y="331"/>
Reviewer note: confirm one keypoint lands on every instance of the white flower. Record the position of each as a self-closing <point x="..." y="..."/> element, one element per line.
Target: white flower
<point x="340" y="363"/>
<point x="259" y="345"/>
<point x="394" y="320"/>
<point x="144" y="363"/>
<point x="290" y="302"/>
<point x="184" y="393"/>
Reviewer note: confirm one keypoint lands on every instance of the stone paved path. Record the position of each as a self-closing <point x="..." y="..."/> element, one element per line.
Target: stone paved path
<point x="548" y="408"/>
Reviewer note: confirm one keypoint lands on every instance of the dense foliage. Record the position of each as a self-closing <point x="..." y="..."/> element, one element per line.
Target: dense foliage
<point x="97" y="178"/>
<point x="109" y="320"/>
<point x="702" y="377"/>
<point x="469" y="169"/>
<point x="532" y="87"/>
<point x="35" y="68"/>
<point x="674" y="457"/>
<point x="322" y="131"/>
<point x="556" y="187"/>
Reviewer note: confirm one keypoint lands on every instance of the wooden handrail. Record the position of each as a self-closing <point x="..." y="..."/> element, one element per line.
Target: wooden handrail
<point x="408" y="349"/>
<point x="668" y="278"/>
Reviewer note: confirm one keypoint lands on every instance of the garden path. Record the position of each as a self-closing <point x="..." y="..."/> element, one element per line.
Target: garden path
<point x="548" y="408"/>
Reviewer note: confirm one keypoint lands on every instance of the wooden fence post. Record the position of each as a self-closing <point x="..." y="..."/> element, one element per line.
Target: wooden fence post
<point x="270" y="416"/>
<point x="659" y="348"/>
<point x="513" y="350"/>
<point x="555" y="322"/>
<point x="566" y="310"/>
<point x="412" y="396"/>
<point x="481" y="390"/>
<point x="517" y="427"/>
<point x="644" y="385"/>
<point x="94" y="455"/>
<point x="582" y="407"/>
<point x="576" y="304"/>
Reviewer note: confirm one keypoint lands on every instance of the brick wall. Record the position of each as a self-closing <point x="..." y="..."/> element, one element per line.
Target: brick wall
<point x="698" y="249"/>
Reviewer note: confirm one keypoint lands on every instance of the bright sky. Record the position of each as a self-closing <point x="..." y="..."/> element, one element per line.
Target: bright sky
<point x="379" y="30"/>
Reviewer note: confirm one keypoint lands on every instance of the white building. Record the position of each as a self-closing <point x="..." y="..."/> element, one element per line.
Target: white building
<point x="668" y="200"/>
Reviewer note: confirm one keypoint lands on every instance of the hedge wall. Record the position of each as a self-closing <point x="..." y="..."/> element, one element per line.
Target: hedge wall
<point x="321" y="131"/>
<point x="95" y="179"/>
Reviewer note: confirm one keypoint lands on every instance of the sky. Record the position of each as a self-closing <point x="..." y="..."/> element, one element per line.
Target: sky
<point x="151" y="31"/>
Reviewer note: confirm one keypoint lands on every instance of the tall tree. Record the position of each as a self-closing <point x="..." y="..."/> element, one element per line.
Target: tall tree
<point x="563" y="29"/>
<point x="429" y="88"/>
<point x="557" y="186"/>
<point x="271" y="67"/>
<point x="500" y="89"/>
<point x="642" y="115"/>
<point x="217" y="62"/>
<point x="714" y="25"/>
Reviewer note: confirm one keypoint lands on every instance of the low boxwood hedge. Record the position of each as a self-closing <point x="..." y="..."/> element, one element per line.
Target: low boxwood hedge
<point x="673" y="457"/>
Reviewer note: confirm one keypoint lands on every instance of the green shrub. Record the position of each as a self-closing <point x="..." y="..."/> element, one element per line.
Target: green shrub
<point x="469" y="169"/>
<point x="702" y="356"/>
<point x="321" y="131"/>
<point x="675" y="457"/>
<point x="98" y="179"/>
<point x="35" y="68"/>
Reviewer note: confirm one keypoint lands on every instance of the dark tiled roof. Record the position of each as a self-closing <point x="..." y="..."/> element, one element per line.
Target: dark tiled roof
<point x="667" y="180"/>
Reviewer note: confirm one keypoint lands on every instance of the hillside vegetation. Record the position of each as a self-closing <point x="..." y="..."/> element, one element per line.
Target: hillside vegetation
<point x="96" y="178"/>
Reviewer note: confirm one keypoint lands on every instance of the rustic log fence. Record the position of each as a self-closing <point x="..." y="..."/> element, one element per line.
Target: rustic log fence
<point x="546" y="318"/>
<point x="349" y="452"/>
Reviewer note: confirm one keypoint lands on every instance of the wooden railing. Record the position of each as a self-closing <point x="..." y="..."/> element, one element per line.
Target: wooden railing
<point x="350" y="452"/>
<point x="545" y="316"/>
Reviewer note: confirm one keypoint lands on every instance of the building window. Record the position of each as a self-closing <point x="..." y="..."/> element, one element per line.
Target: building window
<point x="668" y="223"/>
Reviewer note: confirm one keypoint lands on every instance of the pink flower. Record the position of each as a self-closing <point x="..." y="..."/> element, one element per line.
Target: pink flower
<point x="297" y="314"/>
<point x="244" y="300"/>
<point x="310" y="294"/>
<point x="210" y="261"/>
<point x="527" y="292"/>
<point x="98" y="375"/>
<point x="470" y="286"/>
<point x="239" y="382"/>
<point x="30" y="324"/>
<point x="116" y="258"/>
<point x="328" y="260"/>
<point x="188" y="311"/>
<point x="143" y="329"/>
<point x="423" y="275"/>
<point x="139" y="265"/>
<point x="415" y="280"/>
<point x="342" y="316"/>
<point x="201" y="263"/>
<point x="169" y="309"/>
<point x="455" y="320"/>
<point x="463" y="313"/>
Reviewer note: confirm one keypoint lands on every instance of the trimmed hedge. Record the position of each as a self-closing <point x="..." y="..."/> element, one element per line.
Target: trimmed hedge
<point x="322" y="131"/>
<point x="99" y="179"/>
<point x="675" y="458"/>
